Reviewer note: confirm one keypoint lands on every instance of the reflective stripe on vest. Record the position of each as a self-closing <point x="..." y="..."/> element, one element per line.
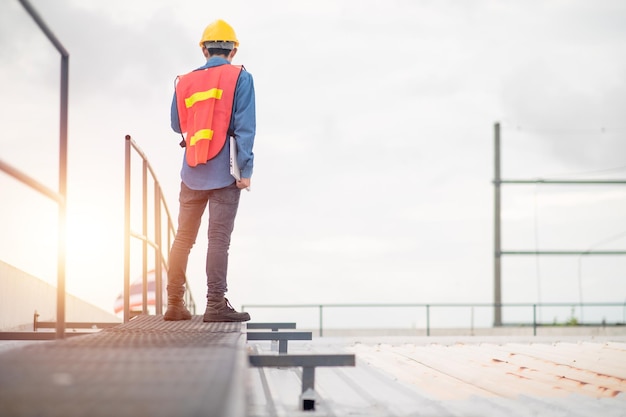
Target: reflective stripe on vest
<point x="204" y="99"/>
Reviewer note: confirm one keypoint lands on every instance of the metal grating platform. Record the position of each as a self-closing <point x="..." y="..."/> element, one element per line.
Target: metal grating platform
<point x="147" y="367"/>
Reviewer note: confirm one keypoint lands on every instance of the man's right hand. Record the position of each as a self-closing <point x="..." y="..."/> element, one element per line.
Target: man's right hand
<point x="243" y="183"/>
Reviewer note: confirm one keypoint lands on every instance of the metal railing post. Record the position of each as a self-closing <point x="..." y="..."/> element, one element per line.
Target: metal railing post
<point x="321" y="320"/>
<point x="534" y="319"/>
<point x="144" y="231"/>
<point x="127" y="231"/>
<point x="158" y="256"/>
<point x="60" y="327"/>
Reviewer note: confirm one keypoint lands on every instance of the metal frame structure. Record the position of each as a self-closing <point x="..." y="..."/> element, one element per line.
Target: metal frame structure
<point x="498" y="252"/>
<point x="308" y="363"/>
<point x="272" y="326"/>
<point x="60" y="197"/>
<point x="157" y="245"/>
<point x="283" y="338"/>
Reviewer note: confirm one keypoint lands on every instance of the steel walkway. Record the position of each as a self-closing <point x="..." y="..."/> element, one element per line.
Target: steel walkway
<point x="147" y="367"/>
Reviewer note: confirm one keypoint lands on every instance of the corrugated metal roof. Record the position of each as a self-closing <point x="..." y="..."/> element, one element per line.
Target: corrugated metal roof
<point x="497" y="376"/>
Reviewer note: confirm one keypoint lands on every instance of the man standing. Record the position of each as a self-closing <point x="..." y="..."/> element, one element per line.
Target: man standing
<point x="211" y="104"/>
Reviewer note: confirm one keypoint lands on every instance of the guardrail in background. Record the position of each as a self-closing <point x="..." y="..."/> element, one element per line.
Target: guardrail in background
<point x="160" y="260"/>
<point x="429" y="307"/>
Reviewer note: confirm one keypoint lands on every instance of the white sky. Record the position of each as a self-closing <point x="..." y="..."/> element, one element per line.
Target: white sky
<point x="374" y="154"/>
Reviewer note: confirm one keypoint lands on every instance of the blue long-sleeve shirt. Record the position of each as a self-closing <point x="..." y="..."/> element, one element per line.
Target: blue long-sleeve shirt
<point x="216" y="172"/>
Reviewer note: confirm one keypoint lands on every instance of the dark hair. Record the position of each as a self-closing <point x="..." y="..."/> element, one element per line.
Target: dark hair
<point x="218" y="51"/>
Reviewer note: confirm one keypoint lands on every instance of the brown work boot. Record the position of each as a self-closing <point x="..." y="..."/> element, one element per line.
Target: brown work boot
<point x="219" y="310"/>
<point x="176" y="310"/>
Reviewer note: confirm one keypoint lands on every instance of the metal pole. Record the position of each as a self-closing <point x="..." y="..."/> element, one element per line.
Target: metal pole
<point x="158" y="267"/>
<point x="497" y="261"/>
<point x="60" y="327"/>
<point x="427" y="320"/>
<point x="534" y="319"/>
<point x="308" y="378"/>
<point x="127" y="231"/>
<point x="144" y="231"/>
<point x="321" y="320"/>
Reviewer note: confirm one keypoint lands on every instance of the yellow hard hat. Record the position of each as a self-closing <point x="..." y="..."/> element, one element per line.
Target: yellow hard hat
<point x="219" y="31"/>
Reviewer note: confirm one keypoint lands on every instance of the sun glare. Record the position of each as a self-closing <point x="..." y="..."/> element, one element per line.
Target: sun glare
<point x="94" y="253"/>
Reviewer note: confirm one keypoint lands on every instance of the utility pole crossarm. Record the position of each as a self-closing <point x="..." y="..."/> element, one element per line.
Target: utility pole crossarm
<point x="579" y="182"/>
<point x="564" y="252"/>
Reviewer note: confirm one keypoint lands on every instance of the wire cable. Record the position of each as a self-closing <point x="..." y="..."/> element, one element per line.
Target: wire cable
<point x="580" y="278"/>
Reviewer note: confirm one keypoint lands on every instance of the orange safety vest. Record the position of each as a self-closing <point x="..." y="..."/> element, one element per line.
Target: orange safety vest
<point x="204" y="99"/>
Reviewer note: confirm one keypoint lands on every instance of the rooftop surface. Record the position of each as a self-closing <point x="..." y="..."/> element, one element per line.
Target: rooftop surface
<point x="149" y="367"/>
<point x="454" y="376"/>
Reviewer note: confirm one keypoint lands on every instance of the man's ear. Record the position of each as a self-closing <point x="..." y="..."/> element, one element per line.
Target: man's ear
<point x="232" y="54"/>
<point x="205" y="52"/>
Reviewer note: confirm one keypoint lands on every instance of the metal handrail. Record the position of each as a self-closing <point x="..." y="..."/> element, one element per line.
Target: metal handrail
<point x="429" y="306"/>
<point x="59" y="197"/>
<point x="160" y="250"/>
